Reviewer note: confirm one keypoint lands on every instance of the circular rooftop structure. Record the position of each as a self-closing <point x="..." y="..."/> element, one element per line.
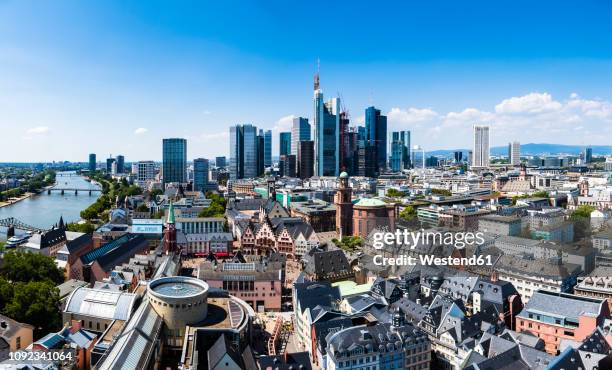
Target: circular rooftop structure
<point x="344" y="174"/>
<point x="179" y="300"/>
<point x="370" y="202"/>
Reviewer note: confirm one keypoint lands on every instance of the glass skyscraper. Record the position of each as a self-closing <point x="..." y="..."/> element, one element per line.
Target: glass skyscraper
<point x="300" y="131"/>
<point x="92" y="162"/>
<point x="268" y="148"/>
<point x="244" y="157"/>
<point x="120" y="164"/>
<point x="200" y="174"/>
<point x="400" y="151"/>
<point x="376" y="134"/>
<point x="174" y="161"/>
<point x="326" y="132"/>
<point x="285" y="143"/>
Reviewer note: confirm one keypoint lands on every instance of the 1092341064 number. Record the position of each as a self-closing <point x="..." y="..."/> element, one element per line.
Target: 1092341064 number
<point x="25" y="356"/>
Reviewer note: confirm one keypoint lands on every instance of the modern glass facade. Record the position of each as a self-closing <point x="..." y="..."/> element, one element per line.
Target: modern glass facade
<point x="376" y="134"/>
<point x="174" y="162"/>
<point x="200" y="174"/>
<point x="284" y="139"/>
<point x="327" y="138"/>
<point x="120" y="164"/>
<point x="92" y="162"/>
<point x="250" y="151"/>
<point x="268" y="148"/>
<point x="300" y="131"/>
<point x="400" y="149"/>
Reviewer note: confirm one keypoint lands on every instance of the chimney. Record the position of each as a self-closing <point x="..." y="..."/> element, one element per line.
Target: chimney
<point x="494" y="277"/>
<point x="75" y="325"/>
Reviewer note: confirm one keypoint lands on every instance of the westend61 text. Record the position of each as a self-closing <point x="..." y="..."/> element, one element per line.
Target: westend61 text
<point x="431" y="260"/>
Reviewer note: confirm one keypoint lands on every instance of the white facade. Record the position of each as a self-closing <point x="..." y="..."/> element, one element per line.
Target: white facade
<point x="481" y="150"/>
<point x="515" y="153"/>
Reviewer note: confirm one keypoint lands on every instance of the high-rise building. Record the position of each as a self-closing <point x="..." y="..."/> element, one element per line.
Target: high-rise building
<point x="220" y="162"/>
<point x="284" y="138"/>
<point x="92" y="162"/>
<point x="146" y="171"/>
<point x="326" y="133"/>
<point x="458" y="157"/>
<point x="343" y="130"/>
<point x="244" y="157"/>
<point x="268" y="148"/>
<point x="400" y="149"/>
<point x="109" y="164"/>
<point x="588" y="155"/>
<point x="287" y="165"/>
<point x="200" y="174"/>
<point x="120" y="164"/>
<point x="376" y="134"/>
<point x="300" y="131"/>
<point x="261" y="153"/>
<point x="114" y="167"/>
<point x="480" y="155"/>
<point x="514" y="153"/>
<point x="305" y="159"/>
<point x="174" y="161"/>
<point x="366" y="159"/>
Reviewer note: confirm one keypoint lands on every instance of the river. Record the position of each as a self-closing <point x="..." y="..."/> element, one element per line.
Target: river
<point x="44" y="210"/>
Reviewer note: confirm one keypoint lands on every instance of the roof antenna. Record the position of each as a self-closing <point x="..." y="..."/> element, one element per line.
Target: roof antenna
<point x="316" y="78"/>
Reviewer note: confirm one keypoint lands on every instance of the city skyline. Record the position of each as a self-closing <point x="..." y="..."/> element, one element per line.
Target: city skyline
<point x="73" y="79"/>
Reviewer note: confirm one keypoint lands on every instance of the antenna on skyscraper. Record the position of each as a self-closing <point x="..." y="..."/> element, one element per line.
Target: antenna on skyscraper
<point x="316" y="77"/>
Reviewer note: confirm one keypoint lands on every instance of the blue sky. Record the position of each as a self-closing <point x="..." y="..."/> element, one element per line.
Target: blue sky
<point x="118" y="76"/>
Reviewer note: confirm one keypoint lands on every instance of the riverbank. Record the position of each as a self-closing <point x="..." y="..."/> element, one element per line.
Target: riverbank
<point x="14" y="200"/>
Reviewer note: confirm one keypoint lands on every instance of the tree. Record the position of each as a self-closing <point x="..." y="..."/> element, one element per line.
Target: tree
<point x="35" y="303"/>
<point x="84" y="227"/>
<point x="443" y="192"/>
<point x="394" y="193"/>
<point x="581" y="217"/>
<point x="408" y="213"/>
<point x="142" y="207"/>
<point x="217" y="206"/>
<point x="25" y="267"/>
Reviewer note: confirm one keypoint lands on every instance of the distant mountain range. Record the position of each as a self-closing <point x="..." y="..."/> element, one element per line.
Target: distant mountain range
<point x="536" y="149"/>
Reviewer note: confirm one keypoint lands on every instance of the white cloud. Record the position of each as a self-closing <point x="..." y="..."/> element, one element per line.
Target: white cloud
<point x="528" y="104"/>
<point x="411" y="115"/>
<point x="140" y="131"/>
<point x="39" y="130"/>
<point x="284" y="124"/>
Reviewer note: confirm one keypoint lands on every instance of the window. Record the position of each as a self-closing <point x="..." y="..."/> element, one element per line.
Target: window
<point x="18" y="343"/>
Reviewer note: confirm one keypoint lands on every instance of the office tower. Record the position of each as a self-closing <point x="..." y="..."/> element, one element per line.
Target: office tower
<point x="366" y="159"/>
<point x="350" y="151"/>
<point x="114" y="167"/>
<point x="400" y="147"/>
<point x="92" y="162"/>
<point x="146" y="171"/>
<point x="480" y="155"/>
<point x="458" y="157"/>
<point x="588" y="155"/>
<point x="343" y="130"/>
<point x="244" y="154"/>
<point x="431" y="161"/>
<point x="514" y="153"/>
<point x="200" y="174"/>
<point x="305" y="159"/>
<point x="376" y="134"/>
<point x="361" y="132"/>
<point x="268" y="148"/>
<point x="134" y="169"/>
<point x="261" y="153"/>
<point x="287" y="165"/>
<point x="174" y="161"/>
<point x="326" y="135"/>
<point x="109" y="164"/>
<point x="284" y="138"/>
<point x="220" y="162"/>
<point x="120" y="164"/>
<point x="300" y="131"/>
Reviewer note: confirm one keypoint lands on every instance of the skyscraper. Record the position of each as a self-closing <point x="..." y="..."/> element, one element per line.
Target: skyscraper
<point x="120" y="164"/>
<point x="268" y="148"/>
<point x="305" y="159"/>
<point x="92" y="162"/>
<point x="514" y="153"/>
<point x="300" y="131"/>
<point x="220" y="162"/>
<point x="400" y="148"/>
<point x="109" y="164"/>
<point x="480" y="156"/>
<point x="174" y="161"/>
<point x="200" y="174"/>
<point x="376" y="134"/>
<point x="588" y="155"/>
<point x="146" y="171"/>
<point x="284" y="139"/>
<point x="287" y="165"/>
<point x="261" y="153"/>
<point x="326" y="132"/>
<point x="244" y="157"/>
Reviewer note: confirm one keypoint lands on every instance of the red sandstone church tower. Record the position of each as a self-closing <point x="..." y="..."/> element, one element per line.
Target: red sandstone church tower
<point x="344" y="206"/>
<point x="170" y="232"/>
